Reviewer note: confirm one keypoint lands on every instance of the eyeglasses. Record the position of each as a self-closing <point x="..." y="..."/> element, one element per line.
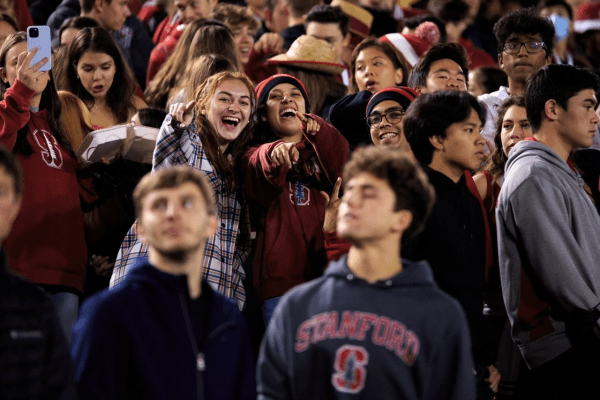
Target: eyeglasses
<point x="392" y="117"/>
<point x="531" y="47"/>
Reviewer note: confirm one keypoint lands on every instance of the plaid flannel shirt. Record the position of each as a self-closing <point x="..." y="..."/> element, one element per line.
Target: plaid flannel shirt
<point x="229" y="248"/>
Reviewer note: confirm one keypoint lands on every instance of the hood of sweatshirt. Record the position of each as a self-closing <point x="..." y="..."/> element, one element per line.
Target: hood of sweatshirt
<point x="413" y="274"/>
<point x="528" y="151"/>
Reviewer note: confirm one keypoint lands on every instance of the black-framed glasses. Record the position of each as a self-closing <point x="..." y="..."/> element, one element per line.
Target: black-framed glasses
<point x="392" y="117"/>
<point x="531" y="47"/>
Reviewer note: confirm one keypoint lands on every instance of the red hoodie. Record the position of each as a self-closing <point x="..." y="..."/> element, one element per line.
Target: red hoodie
<point x="46" y="244"/>
<point x="290" y="248"/>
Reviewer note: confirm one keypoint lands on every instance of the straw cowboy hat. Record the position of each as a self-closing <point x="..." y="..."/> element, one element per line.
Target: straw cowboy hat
<point x="310" y="53"/>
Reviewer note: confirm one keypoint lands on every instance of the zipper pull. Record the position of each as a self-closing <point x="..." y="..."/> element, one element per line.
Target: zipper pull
<point x="200" y="364"/>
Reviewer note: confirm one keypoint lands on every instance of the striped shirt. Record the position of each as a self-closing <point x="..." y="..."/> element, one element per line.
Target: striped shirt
<point x="229" y="248"/>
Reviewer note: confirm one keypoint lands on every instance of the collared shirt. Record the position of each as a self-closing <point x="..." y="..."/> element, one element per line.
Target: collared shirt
<point x="229" y="248"/>
<point x="491" y="102"/>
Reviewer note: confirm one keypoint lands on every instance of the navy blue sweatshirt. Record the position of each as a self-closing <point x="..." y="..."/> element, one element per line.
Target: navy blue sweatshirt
<point x="147" y="339"/>
<point x="340" y="337"/>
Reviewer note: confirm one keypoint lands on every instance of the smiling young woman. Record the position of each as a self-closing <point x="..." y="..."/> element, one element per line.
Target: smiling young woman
<point x="296" y="155"/>
<point x="211" y="134"/>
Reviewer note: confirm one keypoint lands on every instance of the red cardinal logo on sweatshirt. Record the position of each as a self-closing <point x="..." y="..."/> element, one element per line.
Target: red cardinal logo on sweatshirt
<point x="50" y="151"/>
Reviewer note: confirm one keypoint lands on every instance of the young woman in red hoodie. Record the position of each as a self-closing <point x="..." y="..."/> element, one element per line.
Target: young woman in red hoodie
<point x="296" y="156"/>
<point x="46" y="244"/>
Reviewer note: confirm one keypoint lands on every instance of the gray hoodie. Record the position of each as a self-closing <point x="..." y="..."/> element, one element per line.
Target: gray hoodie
<point x="549" y="251"/>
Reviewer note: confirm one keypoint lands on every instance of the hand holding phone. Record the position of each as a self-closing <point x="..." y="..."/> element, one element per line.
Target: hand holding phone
<point x="39" y="37"/>
<point x="27" y="74"/>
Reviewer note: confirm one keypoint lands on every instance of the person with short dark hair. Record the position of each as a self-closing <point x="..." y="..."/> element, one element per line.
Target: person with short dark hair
<point x="164" y="333"/>
<point x="486" y="80"/>
<point x="443" y="67"/>
<point x="443" y="130"/>
<point x="561" y="14"/>
<point x="297" y="10"/>
<point x="525" y="43"/>
<point x="375" y="325"/>
<point x="548" y="235"/>
<point x="34" y="361"/>
<point x="71" y="27"/>
<point x="150" y="116"/>
<point x="333" y="26"/>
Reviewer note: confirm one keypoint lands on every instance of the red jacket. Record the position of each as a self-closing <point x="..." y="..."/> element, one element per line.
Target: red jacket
<point x="290" y="248"/>
<point x="161" y="53"/>
<point x="257" y="69"/>
<point x="46" y="244"/>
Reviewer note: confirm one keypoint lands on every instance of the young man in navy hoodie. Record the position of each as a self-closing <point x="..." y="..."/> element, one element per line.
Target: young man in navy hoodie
<point x="375" y="325"/>
<point x="443" y="130"/>
<point x="549" y="239"/>
<point x="163" y="333"/>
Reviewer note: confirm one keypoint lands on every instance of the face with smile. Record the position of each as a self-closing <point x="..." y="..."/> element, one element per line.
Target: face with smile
<point x="9" y="203"/>
<point x="515" y="127"/>
<point x="374" y="71"/>
<point x="96" y="71"/>
<point x="578" y="122"/>
<point x="283" y="102"/>
<point x="462" y="148"/>
<point x="229" y="111"/>
<point x="386" y="133"/>
<point x="366" y="211"/>
<point x="520" y="66"/>
<point x="244" y="40"/>
<point x="444" y="75"/>
<point x="175" y="221"/>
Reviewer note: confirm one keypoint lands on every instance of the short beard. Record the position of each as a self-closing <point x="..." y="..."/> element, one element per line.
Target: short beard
<point x="178" y="256"/>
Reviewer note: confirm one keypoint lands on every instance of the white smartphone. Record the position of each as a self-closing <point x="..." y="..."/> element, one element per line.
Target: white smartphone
<point x="39" y="36"/>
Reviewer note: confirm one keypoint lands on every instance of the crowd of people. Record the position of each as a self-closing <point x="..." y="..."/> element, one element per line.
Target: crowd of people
<point x="344" y="199"/>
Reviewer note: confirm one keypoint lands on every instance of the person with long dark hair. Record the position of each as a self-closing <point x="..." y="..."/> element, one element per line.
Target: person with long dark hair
<point x="99" y="75"/>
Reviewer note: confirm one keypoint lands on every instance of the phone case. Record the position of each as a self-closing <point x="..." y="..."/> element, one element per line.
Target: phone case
<point x="43" y="43"/>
